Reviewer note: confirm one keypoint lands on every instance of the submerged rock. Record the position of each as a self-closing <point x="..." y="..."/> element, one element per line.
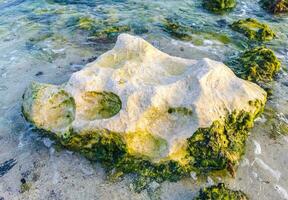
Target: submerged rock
<point x="195" y="35"/>
<point x="98" y="30"/>
<point x="220" y="192"/>
<point x="253" y="29"/>
<point x="139" y="110"/>
<point x="259" y="64"/>
<point x="219" y="5"/>
<point x="275" y="6"/>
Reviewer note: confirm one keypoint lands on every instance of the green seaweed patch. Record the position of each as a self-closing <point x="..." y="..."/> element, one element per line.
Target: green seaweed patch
<point x="98" y="31"/>
<point x="253" y="29"/>
<point x="221" y="146"/>
<point x="259" y="64"/>
<point x="180" y="110"/>
<point x="276" y="122"/>
<point x="100" y="105"/>
<point x="185" y="32"/>
<point x="219" y="6"/>
<point x="109" y="33"/>
<point x="220" y="192"/>
<point x="275" y="6"/>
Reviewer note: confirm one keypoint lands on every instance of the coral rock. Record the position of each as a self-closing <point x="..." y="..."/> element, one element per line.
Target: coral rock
<point x="137" y="102"/>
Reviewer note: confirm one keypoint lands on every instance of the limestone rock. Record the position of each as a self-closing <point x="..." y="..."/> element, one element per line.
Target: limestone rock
<point x="152" y="101"/>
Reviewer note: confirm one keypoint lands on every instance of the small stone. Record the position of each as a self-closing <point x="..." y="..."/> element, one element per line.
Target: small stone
<point x="39" y="73"/>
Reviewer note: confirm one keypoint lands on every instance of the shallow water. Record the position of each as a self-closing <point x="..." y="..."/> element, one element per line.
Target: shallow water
<point x="37" y="43"/>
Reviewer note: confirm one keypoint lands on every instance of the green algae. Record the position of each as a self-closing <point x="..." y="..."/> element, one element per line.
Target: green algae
<point x="219" y="6"/>
<point x="253" y="29"/>
<point x="275" y="6"/>
<point x="100" y="105"/>
<point x="276" y="122"/>
<point x="181" y="111"/>
<point x="259" y="64"/>
<point x="185" y="32"/>
<point x="145" y="144"/>
<point x="105" y="30"/>
<point x="59" y="102"/>
<point x="220" y="192"/>
<point x="221" y="146"/>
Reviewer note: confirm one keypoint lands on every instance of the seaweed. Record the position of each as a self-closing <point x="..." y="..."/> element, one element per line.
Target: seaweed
<point x="219" y="6"/>
<point x="98" y="30"/>
<point x="253" y="29"/>
<point x="275" y="6"/>
<point x="174" y="27"/>
<point x="258" y="64"/>
<point x="220" y="192"/>
<point x="221" y="146"/>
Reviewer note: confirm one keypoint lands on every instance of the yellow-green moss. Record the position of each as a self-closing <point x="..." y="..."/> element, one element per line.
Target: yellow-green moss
<point x="219" y="5"/>
<point x="275" y="6"/>
<point x="99" y="105"/>
<point x="181" y="111"/>
<point x="185" y="32"/>
<point x="221" y="146"/>
<point x="220" y="192"/>
<point x="145" y="144"/>
<point x="98" y="30"/>
<point x="253" y="29"/>
<point x="259" y="64"/>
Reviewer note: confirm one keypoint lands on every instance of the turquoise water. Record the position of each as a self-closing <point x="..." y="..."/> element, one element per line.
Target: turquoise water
<point x="40" y="41"/>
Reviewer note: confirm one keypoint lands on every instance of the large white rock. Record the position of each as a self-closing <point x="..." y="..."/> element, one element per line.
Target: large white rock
<point x="165" y="99"/>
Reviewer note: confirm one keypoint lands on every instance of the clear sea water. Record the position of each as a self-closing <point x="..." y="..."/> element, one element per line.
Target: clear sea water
<point x="38" y="44"/>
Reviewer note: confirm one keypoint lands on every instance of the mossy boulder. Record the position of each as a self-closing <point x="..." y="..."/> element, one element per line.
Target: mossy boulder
<point x="220" y="192"/>
<point x="219" y="5"/>
<point x="259" y="64"/>
<point x="138" y="110"/>
<point x="275" y="6"/>
<point x="253" y="29"/>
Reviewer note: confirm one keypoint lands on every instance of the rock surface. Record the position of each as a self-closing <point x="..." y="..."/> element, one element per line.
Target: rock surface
<point x="155" y="101"/>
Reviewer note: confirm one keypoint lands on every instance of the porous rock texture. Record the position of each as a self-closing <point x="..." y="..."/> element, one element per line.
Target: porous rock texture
<point x="153" y="101"/>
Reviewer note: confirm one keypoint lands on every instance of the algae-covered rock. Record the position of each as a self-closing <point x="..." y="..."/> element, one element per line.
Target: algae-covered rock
<point x="98" y="30"/>
<point x="220" y="192"/>
<point x="259" y="64"/>
<point x="253" y="29"/>
<point x="195" y="35"/>
<point x="138" y="110"/>
<point x="275" y="6"/>
<point x="219" y="5"/>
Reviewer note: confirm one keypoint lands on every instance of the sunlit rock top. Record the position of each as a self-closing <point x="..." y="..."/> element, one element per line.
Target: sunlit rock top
<point x="156" y="101"/>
